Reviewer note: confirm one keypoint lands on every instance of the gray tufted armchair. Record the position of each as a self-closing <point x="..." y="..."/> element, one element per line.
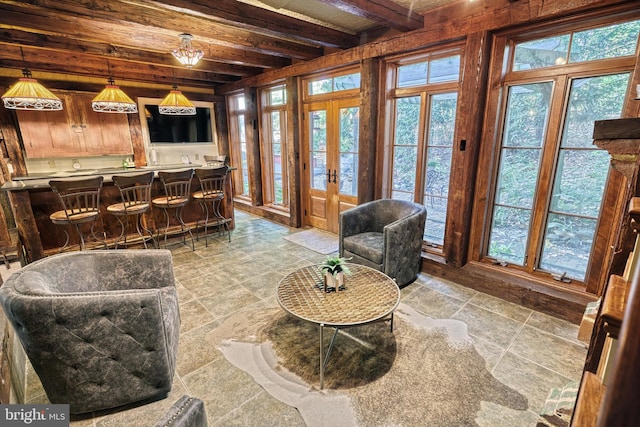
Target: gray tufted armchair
<point x="100" y="327"/>
<point x="385" y="234"/>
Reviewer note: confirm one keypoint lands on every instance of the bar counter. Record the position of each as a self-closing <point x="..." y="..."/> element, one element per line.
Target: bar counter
<point x="32" y="201"/>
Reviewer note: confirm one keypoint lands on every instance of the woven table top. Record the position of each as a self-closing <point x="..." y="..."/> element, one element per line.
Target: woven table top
<point x="369" y="296"/>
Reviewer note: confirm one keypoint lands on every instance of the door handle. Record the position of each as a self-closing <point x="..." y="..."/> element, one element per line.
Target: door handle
<point x="329" y="175"/>
<point x="334" y="176"/>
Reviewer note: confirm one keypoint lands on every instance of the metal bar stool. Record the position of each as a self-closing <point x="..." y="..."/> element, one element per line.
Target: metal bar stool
<point x="212" y="181"/>
<point x="135" y="193"/>
<point x="177" y="189"/>
<point x="80" y="205"/>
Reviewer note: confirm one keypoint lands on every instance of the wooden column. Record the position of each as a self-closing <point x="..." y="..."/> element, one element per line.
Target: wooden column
<point x="369" y="89"/>
<point x="466" y="148"/>
<point x="293" y="152"/>
<point x="253" y="146"/>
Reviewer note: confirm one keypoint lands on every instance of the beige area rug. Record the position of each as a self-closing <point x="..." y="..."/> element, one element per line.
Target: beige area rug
<point x="426" y="373"/>
<point x="317" y="240"/>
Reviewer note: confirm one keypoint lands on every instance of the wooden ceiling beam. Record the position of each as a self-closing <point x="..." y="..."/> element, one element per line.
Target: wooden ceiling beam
<point x="145" y="26"/>
<point x="384" y="12"/>
<point x="252" y="18"/>
<point x="109" y="51"/>
<point x="87" y="65"/>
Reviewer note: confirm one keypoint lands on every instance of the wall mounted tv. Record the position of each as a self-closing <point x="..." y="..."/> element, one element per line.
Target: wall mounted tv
<point x="169" y="129"/>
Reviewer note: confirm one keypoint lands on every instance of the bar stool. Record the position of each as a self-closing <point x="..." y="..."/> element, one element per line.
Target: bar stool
<point x="212" y="181"/>
<point x="135" y="194"/>
<point x="177" y="188"/>
<point x="80" y="205"/>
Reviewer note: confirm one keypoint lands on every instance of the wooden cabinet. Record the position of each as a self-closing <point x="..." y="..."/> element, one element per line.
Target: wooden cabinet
<point x="76" y="131"/>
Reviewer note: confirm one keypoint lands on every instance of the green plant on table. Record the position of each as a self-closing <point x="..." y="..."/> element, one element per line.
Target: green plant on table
<point x="334" y="265"/>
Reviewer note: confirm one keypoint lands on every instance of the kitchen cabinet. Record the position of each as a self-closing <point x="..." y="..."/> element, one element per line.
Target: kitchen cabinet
<point x="76" y="131"/>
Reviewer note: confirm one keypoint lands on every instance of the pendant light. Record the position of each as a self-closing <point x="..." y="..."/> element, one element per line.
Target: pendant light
<point x="175" y="103"/>
<point x="187" y="55"/>
<point x="112" y="99"/>
<point x="28" y="94"/>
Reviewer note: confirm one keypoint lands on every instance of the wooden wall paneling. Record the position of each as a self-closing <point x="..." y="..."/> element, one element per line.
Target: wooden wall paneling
<point x="293" y="151"/>
<point x="12" y="145"/>
<point x="222" y="127"/>
<point x="137" y="142"/>
<point x="466" y="149"/>
<point x="253" y="146"/>
<point x="368" y="131"/>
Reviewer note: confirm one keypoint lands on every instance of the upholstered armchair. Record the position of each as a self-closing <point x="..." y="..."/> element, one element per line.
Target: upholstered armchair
<point x="99" y="327"/>
<point x="385" y="234"/>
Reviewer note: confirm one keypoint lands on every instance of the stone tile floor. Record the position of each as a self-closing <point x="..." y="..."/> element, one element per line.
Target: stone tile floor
<point x="526" y="350"/>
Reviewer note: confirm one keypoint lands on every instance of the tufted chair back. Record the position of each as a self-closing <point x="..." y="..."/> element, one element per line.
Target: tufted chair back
<point x="100" y="328"/>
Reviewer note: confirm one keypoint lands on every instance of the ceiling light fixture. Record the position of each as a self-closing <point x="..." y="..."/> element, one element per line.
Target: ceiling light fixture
<point x="175" y="103"/>
<point x="28" y="94"/>
<point x="187" y="55"/>
<point x="113" y="100"/>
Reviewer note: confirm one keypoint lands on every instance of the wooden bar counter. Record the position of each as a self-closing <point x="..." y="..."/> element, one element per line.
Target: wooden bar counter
<point x="33" y="201"/>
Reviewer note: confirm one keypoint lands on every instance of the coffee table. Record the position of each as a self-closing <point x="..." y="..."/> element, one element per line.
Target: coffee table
<point x="369" y="296"/>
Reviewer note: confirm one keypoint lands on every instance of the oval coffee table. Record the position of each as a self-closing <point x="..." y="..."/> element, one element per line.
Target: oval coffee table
<point x="369" y="296"/>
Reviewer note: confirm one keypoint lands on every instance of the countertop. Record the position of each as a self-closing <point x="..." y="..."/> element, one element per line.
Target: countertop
<point x="41" y="180"/>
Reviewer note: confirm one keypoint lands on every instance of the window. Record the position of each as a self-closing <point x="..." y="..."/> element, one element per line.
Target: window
<point x="274" y="147"/>
<point x="238" y="142"/>
<point x="550" y="177"/>
<point x="424" y="111"/>
<point x="334" y="84"/>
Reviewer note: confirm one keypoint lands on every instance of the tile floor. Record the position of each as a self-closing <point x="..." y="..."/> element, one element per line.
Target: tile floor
<point x="526" y="350"/>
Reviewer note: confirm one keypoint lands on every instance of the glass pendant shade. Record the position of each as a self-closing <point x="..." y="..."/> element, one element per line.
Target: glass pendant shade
<point x="113" y="100"/>
<point x="175" y="103"/>
<point x="187" y="55"/>
<point x="28" y="94"/>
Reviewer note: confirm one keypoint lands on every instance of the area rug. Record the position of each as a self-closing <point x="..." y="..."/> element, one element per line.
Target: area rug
<point x="369" y="366"/>
<point x="317" y="240"/>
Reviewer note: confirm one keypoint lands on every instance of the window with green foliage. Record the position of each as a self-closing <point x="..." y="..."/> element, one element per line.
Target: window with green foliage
<point x="238" y="144"/>
<point x="424" y="113"/>
<point x="550" y="177"/>
<point x="274" y="147"/>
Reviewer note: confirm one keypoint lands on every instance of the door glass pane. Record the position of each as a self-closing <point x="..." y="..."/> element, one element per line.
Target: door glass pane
<point x="605" y="42"/>
<point x="276" y="158"/>
<point x="412" y="74"/>
<point x="444" y="70"/>
<point x="525" y="126"/>
<point x="318" y="152"/>
<point x="350" y="81"/>
<point x="405" y="148"/>
<point x="348" y="172"/>
<point x="541" y="53"/>
<point x="243" y="156"/>
<point x="442" y="117"/>
<point x="581" y="175"/>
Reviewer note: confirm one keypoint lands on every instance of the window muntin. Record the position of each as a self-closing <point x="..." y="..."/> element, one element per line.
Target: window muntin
<point x="612" y="41"/>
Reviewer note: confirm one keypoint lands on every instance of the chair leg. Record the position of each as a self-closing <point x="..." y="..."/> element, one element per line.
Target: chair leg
<point x="183" y="226"/>
<point x="222" y="221"/>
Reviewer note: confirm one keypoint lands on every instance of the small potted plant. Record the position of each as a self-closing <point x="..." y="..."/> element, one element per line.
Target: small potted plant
<point x="334" y="268"/>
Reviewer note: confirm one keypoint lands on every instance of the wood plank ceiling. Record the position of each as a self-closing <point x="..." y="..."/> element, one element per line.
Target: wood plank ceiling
<point x="83" y="41"/>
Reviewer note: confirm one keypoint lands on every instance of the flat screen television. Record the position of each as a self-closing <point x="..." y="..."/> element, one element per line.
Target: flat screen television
<point x="167" y="129"/>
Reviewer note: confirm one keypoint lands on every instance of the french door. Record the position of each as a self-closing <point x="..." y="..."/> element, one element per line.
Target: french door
<point x="330" y="180"/>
